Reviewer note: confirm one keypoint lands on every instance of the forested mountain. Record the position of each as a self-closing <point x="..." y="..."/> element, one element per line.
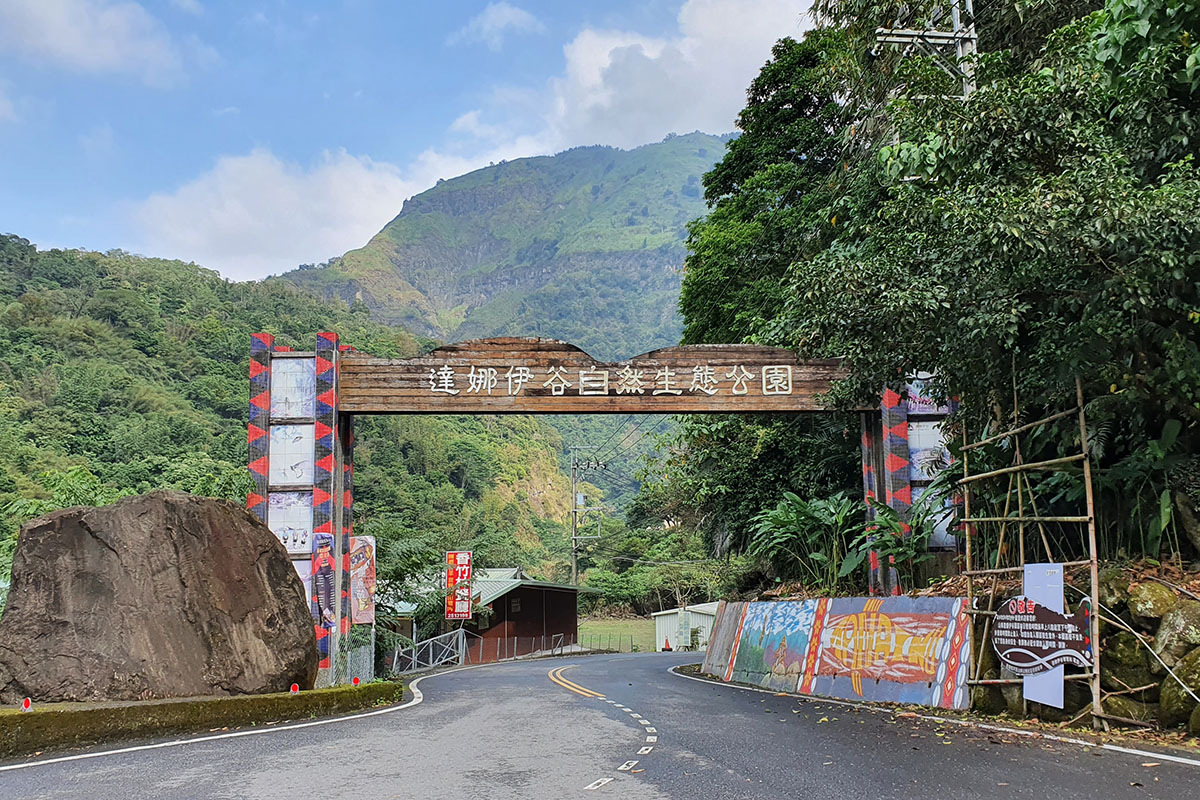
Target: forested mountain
<point x="119" y="374"/>
<point x="584" y="246"/>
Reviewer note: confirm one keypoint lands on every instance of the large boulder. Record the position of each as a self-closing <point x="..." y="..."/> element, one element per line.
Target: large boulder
<point x="1178" y="632"/>
<point x="1113" y="589"/>
<point x="1149" y="602"/>
<point x="1176" y="704"/>
<point x="163" y="595"/>
<point x="1125" y="664"/>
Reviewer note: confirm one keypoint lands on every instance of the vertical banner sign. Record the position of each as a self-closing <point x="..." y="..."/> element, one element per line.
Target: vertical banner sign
<point x="458" y="589"/>
<point x="362" y="579"/>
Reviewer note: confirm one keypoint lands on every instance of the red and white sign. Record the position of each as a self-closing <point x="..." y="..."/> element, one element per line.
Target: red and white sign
<point x="458" y="589"/>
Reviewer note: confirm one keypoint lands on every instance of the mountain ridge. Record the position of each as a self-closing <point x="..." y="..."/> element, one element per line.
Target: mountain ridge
<point x="585" y="246"/>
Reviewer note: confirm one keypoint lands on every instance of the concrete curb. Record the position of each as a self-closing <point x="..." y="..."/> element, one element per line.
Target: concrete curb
<point x="60" y="725"/>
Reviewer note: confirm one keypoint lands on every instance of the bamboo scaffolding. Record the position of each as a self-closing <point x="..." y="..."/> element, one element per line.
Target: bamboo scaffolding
<point x="1027" y="427"/>
<point x="1033" y="465"/>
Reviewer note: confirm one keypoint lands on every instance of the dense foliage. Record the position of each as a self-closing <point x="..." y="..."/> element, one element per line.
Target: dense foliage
<point x="1047" y="227"/>
<point x="119" y="374"/>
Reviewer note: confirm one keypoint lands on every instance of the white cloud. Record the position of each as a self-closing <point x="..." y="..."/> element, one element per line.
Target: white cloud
<point x="491" y="25"/>
<point x="90" y="36"/>
<point x="253" y="215"/>
<point x="624" y="89"/>
<point x="189" y="6"/>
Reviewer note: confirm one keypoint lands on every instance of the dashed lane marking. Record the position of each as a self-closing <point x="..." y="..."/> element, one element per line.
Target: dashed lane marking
<point x="598" y="784"/>
<point x="645" y="750"/>
<point x="628" y="765"/>
<point x="651" y="730"/>
<point x="651" y="738"/>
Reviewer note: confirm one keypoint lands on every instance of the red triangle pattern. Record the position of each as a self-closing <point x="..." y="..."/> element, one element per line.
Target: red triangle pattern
<point x="900" y="430"/>
<point x="326" y="463"/>
<point x="322" y="430"/>
<point x="319" y="496"/>
<point x="254" y="432"/>
<point x="254" y="499"/>
<point x="345" y="565"/>
<point x="259" y="465"/>
<point x="262" y="401"/>
<point x="347" y="498"/>
<point x="895" y="463"/>
<point x="903" y="495"/>
<point x="323" y="365"/>
<point x="283" y="348"/>
<point x="327" y="336"/>
<point x="345" y="625"/>
<point x="320" y="631"/>
<point x="256" y="369"/>
<point x="890" y="398"/>
<point x="324" y="527"/>
<point x="264" y="338"/>
<point x="328" y="398"/>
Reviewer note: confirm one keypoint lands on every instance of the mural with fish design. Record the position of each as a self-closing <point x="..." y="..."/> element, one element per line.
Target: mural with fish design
<point x="895" y="649"/>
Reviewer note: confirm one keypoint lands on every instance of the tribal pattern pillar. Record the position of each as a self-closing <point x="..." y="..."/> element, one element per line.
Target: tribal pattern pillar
<point x="261" y="345"/>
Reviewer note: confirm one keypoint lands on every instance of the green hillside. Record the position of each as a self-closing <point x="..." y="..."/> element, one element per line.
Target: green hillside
<point x="584" y="246"/>
<point x="119" y="374"/>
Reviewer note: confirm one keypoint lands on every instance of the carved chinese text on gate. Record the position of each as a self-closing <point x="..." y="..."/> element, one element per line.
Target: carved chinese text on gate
<point x="510" y="375"/>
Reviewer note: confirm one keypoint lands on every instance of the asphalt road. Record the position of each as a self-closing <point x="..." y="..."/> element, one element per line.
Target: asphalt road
<point x="510" y="731"/>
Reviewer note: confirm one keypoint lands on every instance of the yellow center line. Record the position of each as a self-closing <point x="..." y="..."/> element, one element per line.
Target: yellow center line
<point x="555" y="676"/>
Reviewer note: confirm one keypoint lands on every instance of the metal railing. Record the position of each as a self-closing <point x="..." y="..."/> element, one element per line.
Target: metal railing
<point x="448" y="648"/>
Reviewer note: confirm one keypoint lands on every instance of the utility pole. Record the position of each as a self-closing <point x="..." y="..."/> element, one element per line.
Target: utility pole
<point x="577" y="506"/>
<point x="938" y="39"/>
<point x="574" y="520"/>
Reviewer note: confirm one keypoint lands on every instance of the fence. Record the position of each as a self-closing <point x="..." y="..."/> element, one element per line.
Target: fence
<point x="617" y="643"/>
<point x="448" y="648"/>
<point x="486" y="651"/>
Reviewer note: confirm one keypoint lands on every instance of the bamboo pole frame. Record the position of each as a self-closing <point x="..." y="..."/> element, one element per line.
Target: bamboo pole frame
<point x="1020" y="471"/>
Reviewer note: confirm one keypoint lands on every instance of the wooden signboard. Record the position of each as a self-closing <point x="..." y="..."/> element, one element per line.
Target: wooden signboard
<point x="1031" y="639"/>
<point x="545" y="376"/>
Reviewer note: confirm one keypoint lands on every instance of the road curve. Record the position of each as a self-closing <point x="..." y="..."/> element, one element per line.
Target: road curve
<point x="622" y="725"/>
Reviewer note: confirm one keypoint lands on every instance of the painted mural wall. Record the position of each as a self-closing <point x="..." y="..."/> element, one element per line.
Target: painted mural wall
<point x="895" y="649"/>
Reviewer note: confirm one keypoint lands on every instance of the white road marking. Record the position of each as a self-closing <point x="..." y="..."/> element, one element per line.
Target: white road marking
<point x="635" y="716"/>
<point x="644" y="721"/>
<point x="628" y="765"/>
<point x="623" y="708"/>
<point x="651" y="738"/>
<point x="645" y="750"/>
<point x="611" y="702"/>
<point x="416" y="700"/>
<point x="598" y="784"/>
<point x="651" y="730"/>
<point x="966" y="723"/>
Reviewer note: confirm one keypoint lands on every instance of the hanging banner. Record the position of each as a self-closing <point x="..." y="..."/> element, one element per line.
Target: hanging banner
<point x="1031" y="638"/>
<point x="362" y="580"/>
<point x="458" y="589"/>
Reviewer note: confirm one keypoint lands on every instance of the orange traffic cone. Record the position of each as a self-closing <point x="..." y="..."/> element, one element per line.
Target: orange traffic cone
<point x="666" y="645"/>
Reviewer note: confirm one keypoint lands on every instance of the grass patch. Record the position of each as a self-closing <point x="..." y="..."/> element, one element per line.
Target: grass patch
<point x="622" y="633"/>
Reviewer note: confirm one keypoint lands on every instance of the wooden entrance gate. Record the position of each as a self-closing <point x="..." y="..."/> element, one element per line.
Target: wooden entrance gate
<point x="302" y="407"/>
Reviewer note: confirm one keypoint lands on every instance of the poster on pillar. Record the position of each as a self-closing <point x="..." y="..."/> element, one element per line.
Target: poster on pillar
<point x="362" y="580"/>
<point x="324" y="586"/>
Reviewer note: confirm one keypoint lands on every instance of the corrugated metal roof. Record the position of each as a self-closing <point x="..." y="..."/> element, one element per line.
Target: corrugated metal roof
<point x="488" y="584"/>
<point x="699" y="608"/>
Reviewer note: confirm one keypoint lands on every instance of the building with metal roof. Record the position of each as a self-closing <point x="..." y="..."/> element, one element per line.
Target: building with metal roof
<point x="523" y="616"/>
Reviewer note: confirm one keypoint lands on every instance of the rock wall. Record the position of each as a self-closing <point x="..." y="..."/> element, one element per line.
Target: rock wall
<point x="162" y="595"/>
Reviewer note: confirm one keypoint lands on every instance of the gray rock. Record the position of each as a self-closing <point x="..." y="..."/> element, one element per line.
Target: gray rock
<point x="1113" y="589"/>
<point x="1125" y="664"/>
<point x="1175" y="704"/>
<point x="163" y="595"/>
<point x="1149" y="602"/>
<point x="1178" y="632"/>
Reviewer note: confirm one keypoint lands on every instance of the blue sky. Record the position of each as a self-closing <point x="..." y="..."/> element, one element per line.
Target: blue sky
<point x="254" y="135"/>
